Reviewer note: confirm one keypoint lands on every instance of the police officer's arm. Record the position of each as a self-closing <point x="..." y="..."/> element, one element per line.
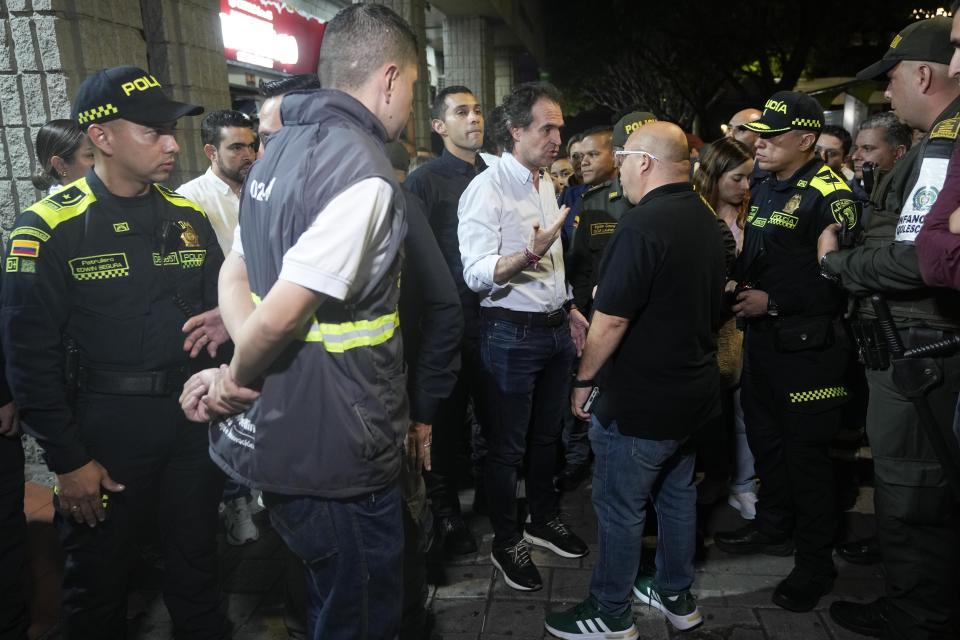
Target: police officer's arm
<point x="9" y="418"/>
<point x="863" y="269"/>
<point x="34" y="307"/>
<point x="430" y="307"/>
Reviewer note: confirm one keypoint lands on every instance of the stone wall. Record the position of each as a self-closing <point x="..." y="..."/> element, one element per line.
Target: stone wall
<point x="47" y="48"/>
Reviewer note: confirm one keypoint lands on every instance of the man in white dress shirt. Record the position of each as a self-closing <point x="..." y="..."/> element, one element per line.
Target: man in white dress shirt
<point x="231" y="145"/>
<point x="508" y="230"/>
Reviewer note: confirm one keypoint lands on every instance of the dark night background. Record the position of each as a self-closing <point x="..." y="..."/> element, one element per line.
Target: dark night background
<point x="697" y="62"/>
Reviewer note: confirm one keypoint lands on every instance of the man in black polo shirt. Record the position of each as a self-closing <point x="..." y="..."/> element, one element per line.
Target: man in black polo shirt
<point x="458" y="119"/>
<point x="655" y="316"/>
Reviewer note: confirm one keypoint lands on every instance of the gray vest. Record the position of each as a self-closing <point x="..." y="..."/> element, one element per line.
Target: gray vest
<point x="332" y="417"/>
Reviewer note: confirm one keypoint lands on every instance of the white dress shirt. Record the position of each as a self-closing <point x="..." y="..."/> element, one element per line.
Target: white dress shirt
<point x="218" y="201"/>
<point x="497" y="212"/>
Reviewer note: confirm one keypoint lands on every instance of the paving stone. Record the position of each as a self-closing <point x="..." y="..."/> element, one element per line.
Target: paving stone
<point x="458" y="615"/>
<point x="515" y="619"/>
<point x="503" y="592"/>
<point x="570" y="585"/>
<point x="747" y="634"/>
<point x="717" y="561"/>
<point x="786" y="625"/>
<point x="738" y="590"/>
<point x="715" y="616"/>
<point x="465" y="582"/>
<point x="651" y="624"/>
<point x="836" y="631"/>
<point x="262" y="628"/>
<point x="856" y="590"/>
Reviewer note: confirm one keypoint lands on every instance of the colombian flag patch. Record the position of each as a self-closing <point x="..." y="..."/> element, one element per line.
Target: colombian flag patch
<point x="25" y="248"/>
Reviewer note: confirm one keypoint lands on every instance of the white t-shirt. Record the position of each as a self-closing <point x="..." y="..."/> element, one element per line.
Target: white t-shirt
<point x="346" y="243"/>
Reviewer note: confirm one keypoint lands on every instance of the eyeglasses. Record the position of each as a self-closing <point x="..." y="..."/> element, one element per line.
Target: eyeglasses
<point x="620" y="154"/>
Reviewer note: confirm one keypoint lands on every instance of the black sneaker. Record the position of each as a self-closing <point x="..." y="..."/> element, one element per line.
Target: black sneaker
<point x="517" y="568"/>
<point x="457" y="539"/>
<point x="557" y="537"/>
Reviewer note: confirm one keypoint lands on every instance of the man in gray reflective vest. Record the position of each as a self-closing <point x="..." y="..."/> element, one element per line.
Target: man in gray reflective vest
<point x="322" y="223"/>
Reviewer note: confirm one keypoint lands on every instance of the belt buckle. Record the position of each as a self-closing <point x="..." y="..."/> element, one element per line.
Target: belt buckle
<point x="555" y="317"/>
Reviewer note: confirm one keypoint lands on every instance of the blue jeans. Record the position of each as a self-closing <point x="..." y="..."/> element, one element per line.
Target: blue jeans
<point x="744" y="475"/>
<point x="352" y="552"/>
<point x="526" y="372"/>
<point x="627" y="472"/>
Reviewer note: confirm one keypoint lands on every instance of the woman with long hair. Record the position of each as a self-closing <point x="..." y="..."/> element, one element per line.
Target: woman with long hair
<point x="723" y="179"/>
<point x="63" y="153"/>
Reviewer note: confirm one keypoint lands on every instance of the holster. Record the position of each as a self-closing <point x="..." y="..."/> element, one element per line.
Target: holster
<point x="872" y="350"/>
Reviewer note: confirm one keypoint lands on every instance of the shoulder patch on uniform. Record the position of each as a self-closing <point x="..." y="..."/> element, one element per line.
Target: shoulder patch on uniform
<point x="946" y="129"/>
<point x="845" y="210"/>
<point x="826" y="182"/>
<point x="65" y="204"/>
<point x="25" y="248"/>
<point x="176" y="199"/>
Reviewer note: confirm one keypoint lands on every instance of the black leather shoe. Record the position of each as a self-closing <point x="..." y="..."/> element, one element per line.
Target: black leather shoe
<point x="457" y="539"/>
<point x="866" y="551"/>
<point x="572" y="476"/>
<point x="801" y="591"/>
<point x="866" y="619"/>
<point x="749" y="539"/>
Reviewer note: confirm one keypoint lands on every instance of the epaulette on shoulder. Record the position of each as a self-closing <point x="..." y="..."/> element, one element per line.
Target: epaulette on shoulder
<point x="946" y="129"/>
<point x="599" y="189"/>
<point x="70" y="202"/>
<point x="827" y="181"/>
<point x="175" y="198"/>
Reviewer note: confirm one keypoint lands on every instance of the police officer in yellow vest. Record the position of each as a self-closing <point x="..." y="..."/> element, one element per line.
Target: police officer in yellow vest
<point x="795" y="352"/>
<point x="100" y="282"/>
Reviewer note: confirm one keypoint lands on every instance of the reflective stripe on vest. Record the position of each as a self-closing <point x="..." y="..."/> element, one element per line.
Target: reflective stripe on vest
<point x="340" y="336"/>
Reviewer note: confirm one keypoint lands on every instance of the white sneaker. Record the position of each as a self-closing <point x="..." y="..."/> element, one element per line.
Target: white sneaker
<point x="745" y="503"/>
<point x="256" y="502"/>
<point x="239" y="522"/>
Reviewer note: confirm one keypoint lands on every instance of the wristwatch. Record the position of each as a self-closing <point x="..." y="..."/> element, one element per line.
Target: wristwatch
<point x="772" y="309"/>
<point x="825" y="269"/>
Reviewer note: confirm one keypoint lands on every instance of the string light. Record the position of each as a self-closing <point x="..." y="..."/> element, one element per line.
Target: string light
<point x="924" y="14"/>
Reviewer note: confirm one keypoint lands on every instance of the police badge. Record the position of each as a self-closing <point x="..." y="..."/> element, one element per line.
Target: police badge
<point x="189" y="236"/>
<point x="792" y="204"/>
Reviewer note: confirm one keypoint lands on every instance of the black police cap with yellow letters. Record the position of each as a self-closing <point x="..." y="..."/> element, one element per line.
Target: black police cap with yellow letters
<point x="923" y="41"/>
<point x="129" y="93"/>
<point x="786" y="111"/>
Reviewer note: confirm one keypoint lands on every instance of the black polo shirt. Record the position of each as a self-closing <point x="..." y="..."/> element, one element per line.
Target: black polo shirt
<point x="439" y="184"/>
<point x="664" y="270"/>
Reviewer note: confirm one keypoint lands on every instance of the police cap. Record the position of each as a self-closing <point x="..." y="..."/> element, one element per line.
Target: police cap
<point x="923" y="41"/>
<point x="628" y="124"/>
<point x="129" y="93"/>
<point x="786" y="111"/>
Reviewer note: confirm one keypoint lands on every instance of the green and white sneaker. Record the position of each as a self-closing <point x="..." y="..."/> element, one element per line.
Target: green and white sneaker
<point x="586" y="622"/>
<point x="680" y="609"/>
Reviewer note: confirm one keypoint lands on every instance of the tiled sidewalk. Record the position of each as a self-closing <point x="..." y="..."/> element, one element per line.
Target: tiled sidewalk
<point x="473" y="603"/>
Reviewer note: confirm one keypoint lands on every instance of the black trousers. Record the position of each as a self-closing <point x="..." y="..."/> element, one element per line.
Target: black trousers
<point x="791" y="422"/>
<point x="146" y="444"/>
<point x="13" y="537"/>
<point x="451" y="434"/>
<point x="918" y="518"/>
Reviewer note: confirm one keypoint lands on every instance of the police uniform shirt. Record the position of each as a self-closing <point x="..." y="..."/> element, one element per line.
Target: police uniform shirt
<point x="784" y="223"/>
<point x="600" y="211"/>
<point x="119" y="276"/>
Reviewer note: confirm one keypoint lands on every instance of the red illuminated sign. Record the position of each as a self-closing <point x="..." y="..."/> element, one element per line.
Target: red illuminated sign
<point x="266" y="34"/>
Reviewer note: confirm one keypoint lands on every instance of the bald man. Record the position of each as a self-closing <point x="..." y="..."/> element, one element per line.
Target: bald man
<point x="736" y="130"/>
<point x="656" y="309"/>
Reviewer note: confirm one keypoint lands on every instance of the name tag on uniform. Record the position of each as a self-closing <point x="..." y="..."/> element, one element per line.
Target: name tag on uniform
<point x="933" y="172"/>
